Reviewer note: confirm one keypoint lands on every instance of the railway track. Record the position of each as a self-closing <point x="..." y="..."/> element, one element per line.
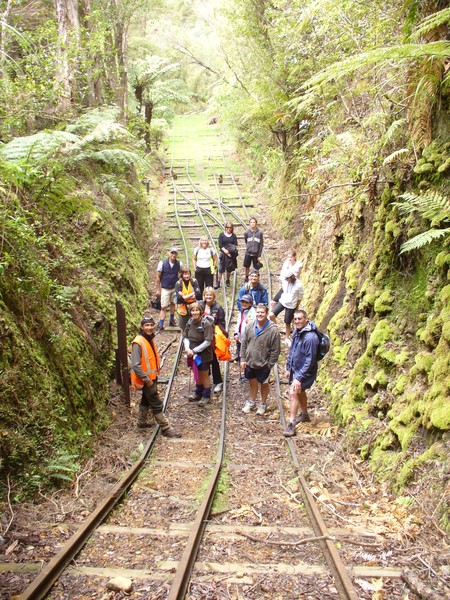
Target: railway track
<point x="225" y="511"/>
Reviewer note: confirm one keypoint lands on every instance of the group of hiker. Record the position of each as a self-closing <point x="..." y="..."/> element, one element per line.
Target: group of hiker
<point x="206" y="341"/>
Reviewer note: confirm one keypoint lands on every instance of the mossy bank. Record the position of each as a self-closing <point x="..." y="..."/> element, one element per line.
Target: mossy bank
<point x="75" y="229"/>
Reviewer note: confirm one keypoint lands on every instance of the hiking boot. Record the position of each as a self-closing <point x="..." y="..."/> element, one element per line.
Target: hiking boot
<point x="290" y="430"/>
<point x="249" y="406"/>
<point x="227" y="283"/>
<point x="204" y="401"/>
<point x="145" y="418"/>
<point x="194" y="397"/>
<point x="218" y="388"/>
<point x="303" y="418"/>
<point x="170" y="432"/>
<point x="261" y="410"/>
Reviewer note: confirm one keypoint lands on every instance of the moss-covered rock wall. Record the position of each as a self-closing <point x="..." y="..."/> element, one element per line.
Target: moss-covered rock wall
<point x="64" y="264"/>
<point x="388" y="373"/>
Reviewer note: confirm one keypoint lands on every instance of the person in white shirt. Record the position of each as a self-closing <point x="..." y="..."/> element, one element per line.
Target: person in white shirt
<point x="205" y="263"/>
<point x="291" y="264"/>
<point x="289" y="298"/>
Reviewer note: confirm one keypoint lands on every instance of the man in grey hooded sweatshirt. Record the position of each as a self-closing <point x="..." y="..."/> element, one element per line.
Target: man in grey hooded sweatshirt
<point x="260" y="349"/>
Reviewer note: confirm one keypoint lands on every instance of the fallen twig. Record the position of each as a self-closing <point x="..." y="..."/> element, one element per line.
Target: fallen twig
<point x="418" y="587"/>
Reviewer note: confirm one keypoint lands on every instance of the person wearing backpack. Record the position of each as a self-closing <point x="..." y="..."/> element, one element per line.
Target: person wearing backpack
<point x="301" y="368"/>
<point x="198" y="343"/>
<point x="205" y="263"/>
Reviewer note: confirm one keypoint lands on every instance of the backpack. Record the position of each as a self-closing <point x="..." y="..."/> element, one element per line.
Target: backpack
<point x="324" y="344"/>
<point x="222" y="344"/>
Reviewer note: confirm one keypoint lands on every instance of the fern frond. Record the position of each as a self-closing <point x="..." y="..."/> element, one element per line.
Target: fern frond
<point x="393" y="127"/>
<point x="114" y="157"/>
<point x="431" y="205"/>
<point x="423" y="238"/>
<point x="401" y="53"/>
<point x="36" y="149"/>
<point x="106" y="132"/>
<point x="89" y="120"/>
<point x="394" y="155"/>
<point x="432" y="22"/>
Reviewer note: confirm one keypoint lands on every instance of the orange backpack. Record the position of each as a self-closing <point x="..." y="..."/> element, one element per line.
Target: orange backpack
<point x="222" y="344"/>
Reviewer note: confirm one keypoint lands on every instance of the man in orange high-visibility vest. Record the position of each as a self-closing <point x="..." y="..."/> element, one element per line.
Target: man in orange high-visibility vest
<point x="145" y="365"/>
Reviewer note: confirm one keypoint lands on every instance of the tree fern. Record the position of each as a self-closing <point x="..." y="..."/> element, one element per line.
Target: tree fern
<point x="432" y="206"/>
<point x="36" y="149"/>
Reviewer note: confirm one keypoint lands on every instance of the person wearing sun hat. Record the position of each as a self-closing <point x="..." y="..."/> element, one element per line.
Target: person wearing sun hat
<point x="246" y="314"/>
<point x="145" y="368"/>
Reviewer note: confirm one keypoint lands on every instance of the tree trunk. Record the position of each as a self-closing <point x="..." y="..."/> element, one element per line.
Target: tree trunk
<point x="66" y="12"/>
<point x="148" y="107"/>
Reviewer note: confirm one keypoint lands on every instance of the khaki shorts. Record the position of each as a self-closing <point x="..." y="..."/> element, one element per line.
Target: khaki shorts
<point x="166" y="297"/>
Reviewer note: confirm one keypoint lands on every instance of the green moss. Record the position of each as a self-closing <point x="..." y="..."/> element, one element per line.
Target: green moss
<point x="400" y="385"/>
<point x="431" y="333"/>
<point x="340" y="353"/>
<point x="423" y="363"/>
<point x="444" y="295"/>
<point x="387" y="354"/>
<point x="382" y="333"/>
<point x="382" y="378"/>
<point x="383" y="303"/>
<point x="351" y="276"/>
<point x="442" y="259"/>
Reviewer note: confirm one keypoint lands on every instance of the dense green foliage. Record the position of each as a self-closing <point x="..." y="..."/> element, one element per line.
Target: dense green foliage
<point x="73" y="231"/>
<point x="342" y="111"/>
<point x="343" y="108"/>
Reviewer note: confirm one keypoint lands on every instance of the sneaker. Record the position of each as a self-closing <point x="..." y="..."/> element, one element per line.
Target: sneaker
<point x="248" y="407"/>
<point x="216" y="286"/>
<point x="194" y="397"/>
<point x="303" y="418"/>
<point x="172" y="324"/>
<point x="204" y="401"/>
<point x="290" y="430"/>
<point x="170" y="433"/>
<point x="218" y="388"/>
<point x="161" y="328"/>
<point x="261" y="409"/>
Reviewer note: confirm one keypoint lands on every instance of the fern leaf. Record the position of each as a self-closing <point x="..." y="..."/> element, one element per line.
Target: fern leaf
<point x="432" y="22"/>
<point x="423" y="238"/>
<point x="106" y="132"/>
<point x="387" y="137"/>
<point x="116" y="157"/>
<point x="392" y="157"/>
<point x="36" y="149"/>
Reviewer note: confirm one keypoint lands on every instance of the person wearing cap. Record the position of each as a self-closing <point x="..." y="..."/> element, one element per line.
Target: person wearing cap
<point x="145" y="367"/>
<point x="260" y="350"/>
<point x="287" y="299"/>
<point x="246" y="315"/>
<point x="256" y="290"/>
<point x="167" y="274"/>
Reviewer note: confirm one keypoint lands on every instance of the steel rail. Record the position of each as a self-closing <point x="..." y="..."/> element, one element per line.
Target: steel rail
<point x="185" y="566"/>
<point x="42" y="584"/>
<point x="334" y="561"/>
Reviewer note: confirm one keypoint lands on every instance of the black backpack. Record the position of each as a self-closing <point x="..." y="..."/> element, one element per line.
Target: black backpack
<point x="324" y="344"/>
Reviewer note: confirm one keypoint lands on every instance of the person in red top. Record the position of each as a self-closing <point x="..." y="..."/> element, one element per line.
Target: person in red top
<point x="145" y="365"/>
